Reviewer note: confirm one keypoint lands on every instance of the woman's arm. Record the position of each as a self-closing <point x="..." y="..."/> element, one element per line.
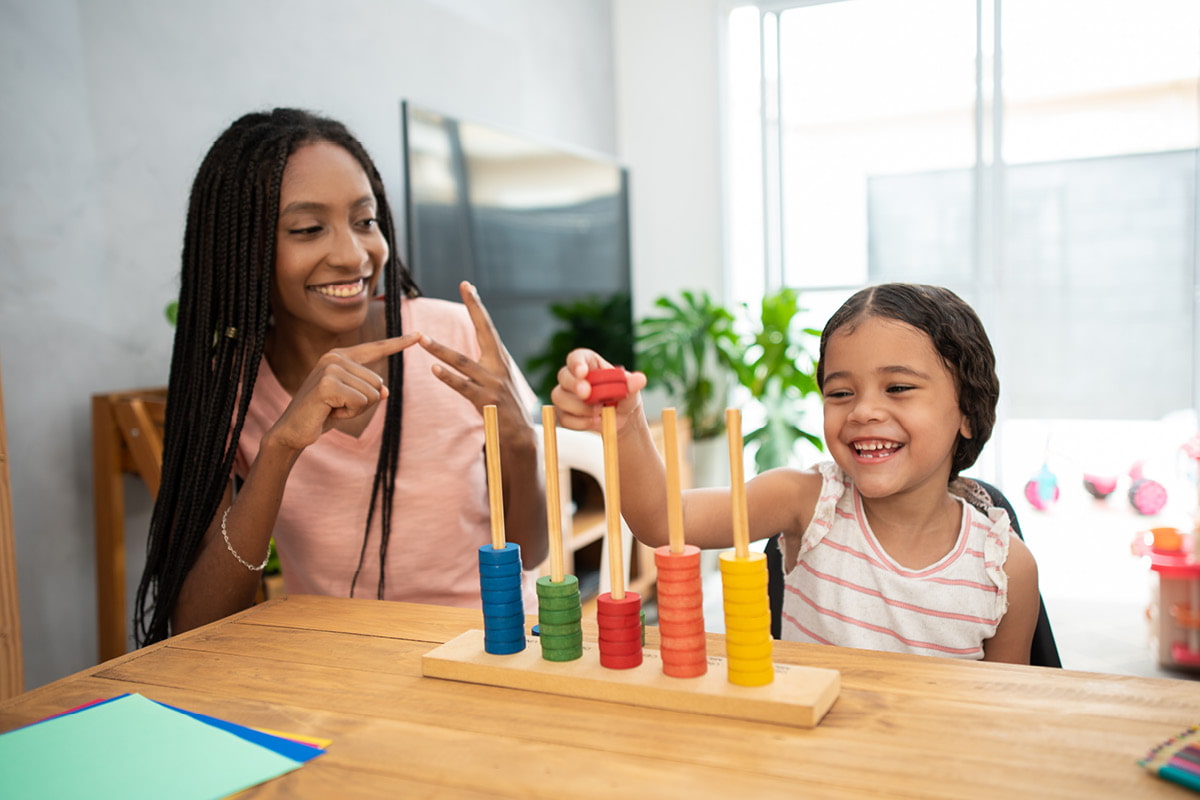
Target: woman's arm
<point x="494" y="380"/>
<point x="340" y="387"/>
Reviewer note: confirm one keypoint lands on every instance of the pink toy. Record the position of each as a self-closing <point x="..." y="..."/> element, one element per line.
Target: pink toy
<point x="1146" y="496"/>
<point x="1042" y="490"/>
<point x="1099" y="486"/>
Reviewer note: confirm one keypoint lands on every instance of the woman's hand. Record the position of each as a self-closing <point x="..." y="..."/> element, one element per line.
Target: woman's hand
<point x="571" y="394"/>
<point x="340" y="387"/>
<point x="489" y="381"/>
<point x="494" y="380"/>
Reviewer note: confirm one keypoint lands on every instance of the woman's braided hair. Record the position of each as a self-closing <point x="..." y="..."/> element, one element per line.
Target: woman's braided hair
<point x="224" y="313"/>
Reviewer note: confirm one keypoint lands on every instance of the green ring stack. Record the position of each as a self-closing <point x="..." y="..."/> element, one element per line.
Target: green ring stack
<point x="559" y="618"/>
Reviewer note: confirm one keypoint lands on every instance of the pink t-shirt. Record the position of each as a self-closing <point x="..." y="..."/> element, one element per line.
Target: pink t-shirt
<point x="440" y="516"/>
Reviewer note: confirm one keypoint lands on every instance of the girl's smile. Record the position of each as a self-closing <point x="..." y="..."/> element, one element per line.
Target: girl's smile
<point x="891" y="407"/>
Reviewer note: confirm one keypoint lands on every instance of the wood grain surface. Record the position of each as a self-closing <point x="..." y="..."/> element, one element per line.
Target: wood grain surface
<point x="902" y="726"/>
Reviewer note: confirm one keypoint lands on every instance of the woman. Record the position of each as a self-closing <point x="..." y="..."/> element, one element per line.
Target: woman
<point x="361" y="454"/>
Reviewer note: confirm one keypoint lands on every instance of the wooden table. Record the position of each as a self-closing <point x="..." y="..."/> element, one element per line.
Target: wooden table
<point x="903" y="726"/>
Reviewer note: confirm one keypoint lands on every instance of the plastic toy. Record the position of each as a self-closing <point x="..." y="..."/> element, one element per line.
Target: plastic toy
<point x="1042" y="491"/>
<point x="1099" y="486"/>
<point x="1174" y="611"/>
<point x="1145" y="495"/>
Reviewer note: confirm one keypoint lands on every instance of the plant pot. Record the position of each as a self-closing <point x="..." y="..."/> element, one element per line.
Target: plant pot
<point x="710" y="462"/>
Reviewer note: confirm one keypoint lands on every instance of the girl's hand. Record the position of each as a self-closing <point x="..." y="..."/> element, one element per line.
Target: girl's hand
<point x="489" y="381"/>
<point x="571" y="395"/>
<point x="340" y="387"/>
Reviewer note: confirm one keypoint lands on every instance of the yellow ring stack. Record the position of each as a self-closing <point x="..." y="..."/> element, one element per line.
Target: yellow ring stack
<point x="748" y="647"/>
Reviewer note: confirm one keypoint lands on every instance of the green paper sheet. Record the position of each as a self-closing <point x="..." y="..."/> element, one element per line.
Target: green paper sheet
<point x="131" y="748"/>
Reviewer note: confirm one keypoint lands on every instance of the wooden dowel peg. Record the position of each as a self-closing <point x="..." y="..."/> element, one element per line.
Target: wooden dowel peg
<point x="553" y="500"/>
<point x="674" y="493"/>
<point x="737" y="483"/>
<point x="491" y="439"/>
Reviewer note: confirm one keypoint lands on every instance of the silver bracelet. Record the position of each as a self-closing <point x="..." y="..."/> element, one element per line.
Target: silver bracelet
<point x="241" y="560"/>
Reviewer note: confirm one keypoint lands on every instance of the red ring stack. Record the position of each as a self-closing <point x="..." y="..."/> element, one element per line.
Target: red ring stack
<point x="620" y="623"/>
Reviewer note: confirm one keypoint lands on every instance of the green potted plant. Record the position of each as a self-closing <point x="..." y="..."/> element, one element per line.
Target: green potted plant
<point x="779" y="371"/>
<point x="691" y="349"/>
<point x="599" y="322"/>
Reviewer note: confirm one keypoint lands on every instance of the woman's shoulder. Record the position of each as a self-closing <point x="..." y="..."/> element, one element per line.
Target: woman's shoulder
<point x="437" y="311"/>
<point x="445" y="320"/>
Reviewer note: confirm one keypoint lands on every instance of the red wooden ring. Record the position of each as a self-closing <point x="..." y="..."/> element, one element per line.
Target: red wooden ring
<point x="631" y="603"/>
<point x="606" y="375"/>
<point x="620" y="648"/>
<point x="621" y="662"/>
<point x="620" y="635"/>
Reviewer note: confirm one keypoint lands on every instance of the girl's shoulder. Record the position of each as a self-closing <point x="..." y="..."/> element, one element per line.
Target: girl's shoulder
<point x="796" y="489"/>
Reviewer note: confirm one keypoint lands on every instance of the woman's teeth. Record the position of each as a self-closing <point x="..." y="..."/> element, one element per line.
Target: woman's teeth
<point x="340" y="289"/>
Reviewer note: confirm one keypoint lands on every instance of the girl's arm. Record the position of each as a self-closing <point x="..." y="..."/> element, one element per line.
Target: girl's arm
<point x="707" y="512"/>
<point x="1014" y="635"/>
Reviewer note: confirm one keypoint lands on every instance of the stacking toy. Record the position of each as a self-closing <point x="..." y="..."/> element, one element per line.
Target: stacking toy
<point x="748" y="646"/>
<point x="500" y="561"/>
<point x="560" y="612"/>
<point x="683" y="646"/>
<point x="618" y="613"/>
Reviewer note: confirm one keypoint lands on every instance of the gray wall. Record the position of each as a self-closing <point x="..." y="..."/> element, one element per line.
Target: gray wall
<point x="108" y="106"/>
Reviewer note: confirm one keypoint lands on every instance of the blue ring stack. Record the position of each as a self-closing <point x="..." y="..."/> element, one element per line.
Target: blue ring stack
<point x="503" y="603"/>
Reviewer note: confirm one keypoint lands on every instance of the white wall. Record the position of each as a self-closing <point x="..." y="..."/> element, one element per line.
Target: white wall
<point x="668" y="132"/>
<point x="107" y="108"/>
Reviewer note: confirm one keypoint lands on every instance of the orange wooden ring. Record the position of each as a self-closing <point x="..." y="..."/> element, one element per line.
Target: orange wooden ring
<point x="685" y="670"/>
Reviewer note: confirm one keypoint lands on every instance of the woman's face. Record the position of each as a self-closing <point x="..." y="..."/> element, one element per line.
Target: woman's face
<point x="329" y="248"/>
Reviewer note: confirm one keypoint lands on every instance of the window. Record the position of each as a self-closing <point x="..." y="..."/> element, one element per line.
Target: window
<point x="1036" y="156"/>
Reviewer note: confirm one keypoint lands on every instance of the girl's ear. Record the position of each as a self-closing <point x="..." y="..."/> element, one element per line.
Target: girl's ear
<point x="964" y="429"/>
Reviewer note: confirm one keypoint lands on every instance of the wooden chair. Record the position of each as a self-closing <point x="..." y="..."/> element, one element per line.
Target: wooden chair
<point x="12" y="668"/>
<point x="126" y="439"/>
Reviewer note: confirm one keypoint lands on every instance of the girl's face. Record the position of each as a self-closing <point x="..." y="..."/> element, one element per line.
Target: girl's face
<point x="329" y="249"/>
<point x="891" y="407"/>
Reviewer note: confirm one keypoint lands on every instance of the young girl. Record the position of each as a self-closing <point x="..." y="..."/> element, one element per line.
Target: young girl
<point x="881" y="548"/>
<point x="361" y="454"/>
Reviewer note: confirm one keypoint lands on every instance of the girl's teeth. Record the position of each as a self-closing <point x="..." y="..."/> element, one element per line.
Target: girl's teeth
<point x="875" y="448"/>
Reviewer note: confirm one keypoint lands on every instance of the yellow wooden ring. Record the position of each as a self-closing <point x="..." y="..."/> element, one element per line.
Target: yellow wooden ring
<point x="761" y="621"/>
<point x="754" y="562"/>
<point x="752" y="678"/>
<point x="749" y="652"/>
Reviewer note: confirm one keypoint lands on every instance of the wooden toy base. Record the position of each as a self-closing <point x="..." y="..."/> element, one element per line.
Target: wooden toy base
<point x="799" y="696"/>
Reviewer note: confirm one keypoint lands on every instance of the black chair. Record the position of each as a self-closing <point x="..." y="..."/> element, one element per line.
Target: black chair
<point x="1042" y="653"/>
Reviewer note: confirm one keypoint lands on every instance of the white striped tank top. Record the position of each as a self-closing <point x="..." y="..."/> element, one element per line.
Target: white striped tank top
<point x="846" y="590"/>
